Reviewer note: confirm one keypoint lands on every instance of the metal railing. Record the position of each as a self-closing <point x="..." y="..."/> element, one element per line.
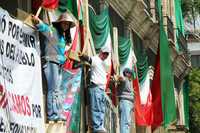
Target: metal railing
<point x="170" y="29"/>
<point x="110" y="117"/>
<point x="183" y="45"/>
<point x="148" y="7"/>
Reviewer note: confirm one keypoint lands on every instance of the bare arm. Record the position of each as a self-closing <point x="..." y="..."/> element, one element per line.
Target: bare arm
<point x="85" y="58"/>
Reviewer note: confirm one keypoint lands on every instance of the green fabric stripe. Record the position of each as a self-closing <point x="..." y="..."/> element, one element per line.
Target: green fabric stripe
<point x="99" y="27"/>
<point x="167" y="84"/>
<point x="166" y="76"/>
<point x="142" y="60"/>
<point x="124" y="49"/>
<point x="179" y="16"/>
<point x="70" y="5"/>
<point x="179" y="22"/>
<point x="142" y="66"/>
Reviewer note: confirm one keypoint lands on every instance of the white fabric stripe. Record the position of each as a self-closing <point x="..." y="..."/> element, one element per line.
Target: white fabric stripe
<point x="129" y="63"/>
<point x="108" y="46"/>
<point x="145" y="89"/>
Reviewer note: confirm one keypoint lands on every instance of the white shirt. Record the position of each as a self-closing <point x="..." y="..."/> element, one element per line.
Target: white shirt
<point x="98" y="72"/>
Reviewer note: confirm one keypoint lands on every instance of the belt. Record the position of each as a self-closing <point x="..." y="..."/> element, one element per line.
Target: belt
<point x="60" y="65"/>
<point x="123" y="98"/>
<point x="92" y="85"/>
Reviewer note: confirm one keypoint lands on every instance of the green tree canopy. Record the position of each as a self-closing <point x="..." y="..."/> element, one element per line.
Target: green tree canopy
<point x="194" y="94"/>
<point x="190" y="6"/>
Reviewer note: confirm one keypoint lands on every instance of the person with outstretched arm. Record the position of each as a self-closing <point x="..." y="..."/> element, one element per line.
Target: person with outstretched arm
<point x="58" y="38"/>
<point x="97" y="88"/>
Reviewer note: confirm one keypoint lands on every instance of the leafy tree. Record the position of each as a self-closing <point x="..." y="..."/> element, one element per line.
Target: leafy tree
<point x="191" y="10"/>
<point x="189" y="6"/>
<point x="194" y="94"/>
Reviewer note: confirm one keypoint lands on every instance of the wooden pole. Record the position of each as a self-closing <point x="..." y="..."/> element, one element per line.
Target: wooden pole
<point x="84" y="106"/>
<point x="115" y="58"/>
<point x="38" y="11"/>
<point x="115" y="54"/>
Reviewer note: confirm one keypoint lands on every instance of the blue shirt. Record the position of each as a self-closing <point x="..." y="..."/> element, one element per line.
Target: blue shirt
<point x="55" y="43"/>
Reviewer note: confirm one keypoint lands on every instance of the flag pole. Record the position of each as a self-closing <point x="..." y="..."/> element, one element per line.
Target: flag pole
<point x="84" y="103"/>
<point x="116" y="67"/>
<point x="38" y="11"/>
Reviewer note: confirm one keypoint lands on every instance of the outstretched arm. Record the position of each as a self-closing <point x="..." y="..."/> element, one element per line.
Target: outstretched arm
<point x="85" y="58"/>
<point x="43" y="27"/>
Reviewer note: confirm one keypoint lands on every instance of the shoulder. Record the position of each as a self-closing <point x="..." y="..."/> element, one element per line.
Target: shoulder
<point x="95" y="58"/>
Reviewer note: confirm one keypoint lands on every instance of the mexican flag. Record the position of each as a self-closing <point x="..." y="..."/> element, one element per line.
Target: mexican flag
<point x="126" y="56"/>
<point x="143" y="100"/>
<point x="163" y="98"/>
<point x="162" y="90"/>
<point x="74" y="6"/>
<point x="166" y="80"/>
<point x="146" y="100"/>
<point x="141" y="83"/>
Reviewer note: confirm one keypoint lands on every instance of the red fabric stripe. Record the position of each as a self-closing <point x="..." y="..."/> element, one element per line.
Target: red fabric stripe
<point x="114" y="89"/>
<point x="2" y="99"/>
<point x="114" y="96"/>
<point x="143" y="113"/>
<point x="156" y="95"/>
<point x="108" y="78"/>
<point x="5" y="103"/>
<point x="75" y="41"/>
<point x="147" y="111"/>
<point x="69" y="63"/>
<point x="50" y="4"/>
<point x="82" y="36"/>
<point x="79" y="7"/>
<point x="1" y="88"/>
<point x="138" y="111"/>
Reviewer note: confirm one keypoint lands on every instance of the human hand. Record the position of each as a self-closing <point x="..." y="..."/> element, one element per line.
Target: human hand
<point x="119" y="78"/>
<point x="79" y="54"/>
<point x="61" y="59"/>
<point x="82" y="56"/>
<point x="35" y="20"/>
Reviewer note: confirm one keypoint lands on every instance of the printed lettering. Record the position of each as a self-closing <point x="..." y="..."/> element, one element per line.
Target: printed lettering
<point x="2" y="24"/>
<point x="36" y="110"/>
<point x="1" y="47"/>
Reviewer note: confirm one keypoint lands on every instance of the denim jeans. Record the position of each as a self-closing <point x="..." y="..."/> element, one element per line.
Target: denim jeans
<point x="55" y="95"/>
<point x="125" y="110"/>
<point x="97" y="102"/>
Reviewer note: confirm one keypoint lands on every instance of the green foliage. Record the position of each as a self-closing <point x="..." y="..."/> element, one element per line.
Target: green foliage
<point x="186" y="6"/>
<point x="194" y="94"/>
<point x="190" y="6"/>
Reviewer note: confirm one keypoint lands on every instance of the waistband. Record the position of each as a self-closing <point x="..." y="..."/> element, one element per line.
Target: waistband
<point x="93" y="85"/>
<point x="53" y="62"/>
<point x="125" y="98"/>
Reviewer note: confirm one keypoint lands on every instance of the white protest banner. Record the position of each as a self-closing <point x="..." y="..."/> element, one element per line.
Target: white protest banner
<point x="21" y="101"/>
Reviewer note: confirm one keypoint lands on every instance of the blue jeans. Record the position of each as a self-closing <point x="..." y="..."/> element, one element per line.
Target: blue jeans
<point x="97" y="102"/>
<point x="55" y="96"/>
<point x="125" y="110"/>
